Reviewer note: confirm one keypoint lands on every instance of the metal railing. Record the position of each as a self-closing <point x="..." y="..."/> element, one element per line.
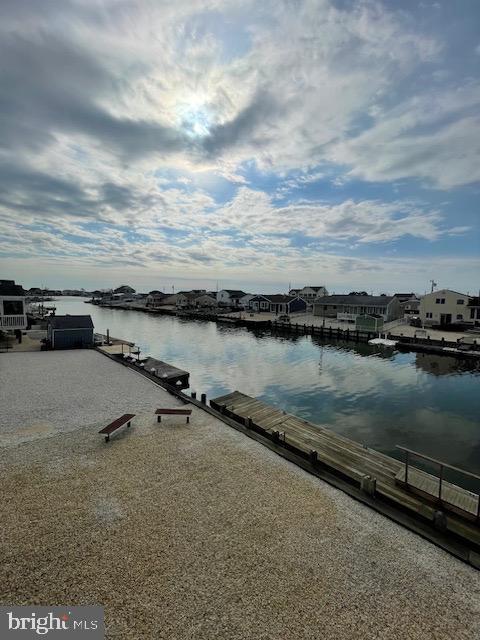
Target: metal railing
<point x="442" y="466"/>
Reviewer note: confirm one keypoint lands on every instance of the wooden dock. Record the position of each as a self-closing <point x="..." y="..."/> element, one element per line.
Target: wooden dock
<point x="167" y="372"/>
<point x="454" y="497"/>
<point x="374" y="473"/>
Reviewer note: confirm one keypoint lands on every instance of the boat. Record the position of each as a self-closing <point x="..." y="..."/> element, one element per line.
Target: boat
<point x="384" y="342"/>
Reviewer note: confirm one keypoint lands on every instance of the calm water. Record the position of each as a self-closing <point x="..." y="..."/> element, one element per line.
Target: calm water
<point x="428" y="403"/>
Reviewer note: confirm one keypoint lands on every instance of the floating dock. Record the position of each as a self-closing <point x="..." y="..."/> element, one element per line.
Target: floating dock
<point x="166" y="372"/>
<point x="376" y="475"/>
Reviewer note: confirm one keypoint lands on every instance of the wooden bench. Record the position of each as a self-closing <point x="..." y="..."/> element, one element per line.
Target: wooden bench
<point x="171" y="412"/>
<point x="116" y="424"/>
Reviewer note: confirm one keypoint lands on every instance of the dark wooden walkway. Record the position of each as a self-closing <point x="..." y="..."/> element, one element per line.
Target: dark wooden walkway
<point x="376" y="473"/>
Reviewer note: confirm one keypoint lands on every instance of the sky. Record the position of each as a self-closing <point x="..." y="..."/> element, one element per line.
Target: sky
<point x="240" y="144"/>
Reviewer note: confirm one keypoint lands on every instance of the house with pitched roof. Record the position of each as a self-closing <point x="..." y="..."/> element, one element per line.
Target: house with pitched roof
<point x="279" y="303"/>
<point x="230" y="297"/>
<point x="348" y="307"/>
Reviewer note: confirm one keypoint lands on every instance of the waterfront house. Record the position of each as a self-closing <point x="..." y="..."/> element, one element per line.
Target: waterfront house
<point x="445" y="307"/>
<point x="155" y="298"/>
<point x="230" y="297"/>
<point x="348" y="307"/>
<point x="186" y="299"/>
<point x="244" y="301"/>
<point x="69" y="332"/>
<point x="474" y="311"/>
<point x="205" y="301"/>
<point x="310" y="294"/>
<point x="277" y="303"/>
<point x="12" y="306"/>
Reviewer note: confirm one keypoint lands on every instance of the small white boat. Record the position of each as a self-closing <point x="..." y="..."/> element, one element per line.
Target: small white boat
<point x="384" y="342"/>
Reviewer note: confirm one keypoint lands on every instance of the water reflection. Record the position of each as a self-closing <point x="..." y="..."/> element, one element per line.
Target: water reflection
<point x="375" y="396"/>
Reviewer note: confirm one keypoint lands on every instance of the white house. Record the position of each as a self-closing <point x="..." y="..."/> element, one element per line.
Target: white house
<point x="230" y="297"/>
<point x="444" y="307"/>
<point x="244" y="301"/>
<point x="309" y="294"/>
<point x="12" y="306"/>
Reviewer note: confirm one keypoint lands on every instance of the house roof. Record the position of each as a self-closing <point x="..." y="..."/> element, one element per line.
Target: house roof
<point x="309" y="287"/>
<point x="71" y="322"/>
<point x="359" y="300"/>
<point x="276" y="298"/>
<point x="408" y="296"/>
<point x="9" y="288"/>
<point x="236" y="293"/>
<point x="191" y="295"/>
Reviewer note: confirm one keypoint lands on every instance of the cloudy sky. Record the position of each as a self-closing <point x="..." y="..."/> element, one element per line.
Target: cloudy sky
<point x="255" y="144"/>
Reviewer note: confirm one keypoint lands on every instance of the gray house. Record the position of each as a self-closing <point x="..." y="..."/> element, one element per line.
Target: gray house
<point x="350" y="306"/>
<point x="69" y="332"/>
<point x="277" y="303"/>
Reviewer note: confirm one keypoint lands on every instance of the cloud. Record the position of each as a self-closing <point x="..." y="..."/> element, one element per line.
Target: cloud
<point x="158" y="134"/>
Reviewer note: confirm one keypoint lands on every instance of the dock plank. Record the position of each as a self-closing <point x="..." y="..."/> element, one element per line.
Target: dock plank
<point x="353" y="460"/>
<point x="451" y="494"/>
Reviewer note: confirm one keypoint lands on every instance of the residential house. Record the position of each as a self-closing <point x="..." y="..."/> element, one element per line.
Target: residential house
<point x="409" y="302"/>
<point x="277" y="303"/>
<point x="473" y="314"/>
<point x="310" y="294"/>
<point x="186" y="299"/>
<point x="13" y="314"/>
<point x="444" y="307"/>
<point x="246" y="299"/>
<point x="348" y="307"/>
<point x="154" y="298"/>
<point x="69" y="332"/>
<point x="205" y="301"/>
<point x="230" y="297"/>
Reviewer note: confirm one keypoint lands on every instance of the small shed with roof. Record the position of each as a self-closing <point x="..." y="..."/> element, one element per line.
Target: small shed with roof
<point x="69" y="332"/>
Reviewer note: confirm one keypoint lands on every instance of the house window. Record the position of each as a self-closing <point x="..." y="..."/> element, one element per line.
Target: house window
<point x="472" y="313"/>
<point x="428" y="314"/>
<point x="460" y="301"/>
<point x="13" y="308"/>
<point x="440" y="301"/>
<point x="459" y="316"/>
<point x="263" y="304"/>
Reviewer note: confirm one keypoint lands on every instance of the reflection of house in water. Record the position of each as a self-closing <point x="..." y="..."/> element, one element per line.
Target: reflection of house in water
<point x="440" y="365"/>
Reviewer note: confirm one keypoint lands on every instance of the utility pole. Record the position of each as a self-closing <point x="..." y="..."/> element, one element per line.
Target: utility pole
<point x="434" y="284"/>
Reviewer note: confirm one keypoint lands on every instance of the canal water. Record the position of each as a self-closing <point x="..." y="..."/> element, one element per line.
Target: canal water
<point x="379" y="398"/>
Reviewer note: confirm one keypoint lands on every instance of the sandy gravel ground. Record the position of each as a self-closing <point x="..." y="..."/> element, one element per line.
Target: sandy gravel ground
<point x="196" y="532"/>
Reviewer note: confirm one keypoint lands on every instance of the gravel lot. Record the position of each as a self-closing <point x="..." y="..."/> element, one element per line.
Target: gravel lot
<point x="195" y="531"/>
<point x="52" y="391"/>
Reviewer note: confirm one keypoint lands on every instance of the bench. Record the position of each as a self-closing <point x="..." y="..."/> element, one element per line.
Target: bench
<point x="116" y="424"/>
<point x="170" y="412"/>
